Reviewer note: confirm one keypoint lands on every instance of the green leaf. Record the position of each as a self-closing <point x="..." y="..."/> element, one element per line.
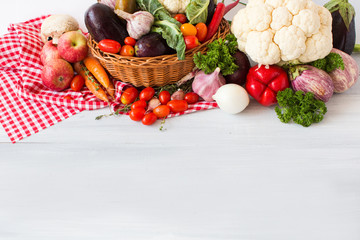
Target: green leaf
<point x="173" y="36"/>
<point x="345" y="9"/>
<point x="197" y="11"/>
<point x="219" y="54"/>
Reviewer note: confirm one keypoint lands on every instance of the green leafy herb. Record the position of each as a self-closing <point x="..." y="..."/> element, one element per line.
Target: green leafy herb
<point x="171" y="88"/>
<point x="302" y="108"/>
<point x="197" y="11"/>
<point x="329" y="63"/>
<point x="124" y="109"/>
<point x="219" y="54"/>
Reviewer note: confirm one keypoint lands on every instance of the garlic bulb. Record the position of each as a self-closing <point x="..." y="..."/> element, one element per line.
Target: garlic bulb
<point x="232" y="98"/>
<point x="138" y="24"/>
<point x="206" y="85"/>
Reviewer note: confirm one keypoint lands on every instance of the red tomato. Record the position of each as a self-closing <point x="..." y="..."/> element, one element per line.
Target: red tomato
<point x="191" y="42"/>
<point x="129" y="95"/>
<point x="130" y="41"/>
<point x="147" y="94"/>
<point x="139" y="104"/>
<point x="68" y="97"/>
<point x="162" y="111"/>
<point x="164" y="97"/>
<point x="201" y="31"/>
<point x="127" y="50"/>
<point x="177" y="105"/>
<point x="109" y="45"/>
<point x="77" y="83"/>
<point x="137" y="114"/>
<point x="180" y="18"/>
<point x="188" y="29"/>
<point x="149" y="119"/>
<point x="191" y="98"/>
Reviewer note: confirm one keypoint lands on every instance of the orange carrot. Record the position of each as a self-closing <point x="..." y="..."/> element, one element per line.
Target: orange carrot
<point x="95" y="67"/>
<point x="90" y="82"/>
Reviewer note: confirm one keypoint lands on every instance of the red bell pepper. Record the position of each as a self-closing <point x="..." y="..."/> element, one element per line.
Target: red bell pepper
<point x="263" y="83"/>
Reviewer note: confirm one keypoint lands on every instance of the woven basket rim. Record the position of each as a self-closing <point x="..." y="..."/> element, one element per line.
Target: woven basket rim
<point x="148" y="61"/>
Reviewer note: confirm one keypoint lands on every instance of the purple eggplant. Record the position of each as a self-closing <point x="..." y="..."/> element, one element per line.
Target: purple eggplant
<point x="310" y="79"/>
<point x="345" y="79"/>
<point x="343" y="25"/>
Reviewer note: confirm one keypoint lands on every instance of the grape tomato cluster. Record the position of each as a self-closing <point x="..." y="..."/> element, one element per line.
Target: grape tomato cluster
<point x="140" y="109"/>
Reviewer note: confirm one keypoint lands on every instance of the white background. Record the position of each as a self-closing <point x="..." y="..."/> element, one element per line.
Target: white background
<point x="208" y="176"/>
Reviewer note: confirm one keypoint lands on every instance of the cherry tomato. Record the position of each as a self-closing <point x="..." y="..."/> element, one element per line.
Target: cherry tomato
<point x="180" y="18"/>
<point x="177" y="105"/>
<point x="139" y="104"/>
<point x="109" y="45"/>
<point x="162" y="111"/>
<point x="137" y="114"/>
<point x="129" y="95"/>
<point x="191" y="98"/>
<point x="127" y="50"/>
<point x="201" y="31"/>
<point x="188" y="29"/>
<point x="191" y="42"/>
<point x="77" y="83"/>
<point x="68" y="97"/>
<point x="149" y="119"/>
<point x="147" y="94"/>
<point x="130" y="41"/>
<point x="164" y="97"/>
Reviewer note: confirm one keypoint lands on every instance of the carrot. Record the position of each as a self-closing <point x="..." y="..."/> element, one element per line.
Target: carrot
<point x="90" y="82"/>
<point x="95" y="67"/>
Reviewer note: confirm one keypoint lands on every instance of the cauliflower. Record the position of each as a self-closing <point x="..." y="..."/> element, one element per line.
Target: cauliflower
<point x="175" y="6"/>
<point x="278" y="31"/>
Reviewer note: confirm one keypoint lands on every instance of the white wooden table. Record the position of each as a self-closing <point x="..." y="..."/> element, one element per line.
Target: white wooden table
<point x="209" y="176"/>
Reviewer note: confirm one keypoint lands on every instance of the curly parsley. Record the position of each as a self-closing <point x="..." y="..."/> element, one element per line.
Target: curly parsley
<point x="219" y="54"/>
<point x="329" y="63"/>
<point x="302" y="108"/>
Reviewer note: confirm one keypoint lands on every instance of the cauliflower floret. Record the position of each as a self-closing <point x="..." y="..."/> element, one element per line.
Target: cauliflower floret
<point x="259" y="17"/>
<point x="243" y="27"/>
<point x="175" y="6"/>
<point x="295" y="6"/>
<point x="318" y="46"/>
<point x="291" y="41"/>
<point x="274" y="31"/>
<point x="261" y="48"/>
<point x="303" y="19"/>
<point x="281" y="17"/>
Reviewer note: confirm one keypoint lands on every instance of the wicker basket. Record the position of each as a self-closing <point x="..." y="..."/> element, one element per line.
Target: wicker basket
<point x="152" y="71"/>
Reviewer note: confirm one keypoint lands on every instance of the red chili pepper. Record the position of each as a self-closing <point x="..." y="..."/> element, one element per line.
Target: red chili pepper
<point x="215" y="21"/>
<point x="263" y="83"/>
<point x="231" y="6"/>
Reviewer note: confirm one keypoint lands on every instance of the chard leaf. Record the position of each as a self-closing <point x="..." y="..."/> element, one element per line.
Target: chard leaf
<point x="173" y="36"/>
<point x="197" y="11"/>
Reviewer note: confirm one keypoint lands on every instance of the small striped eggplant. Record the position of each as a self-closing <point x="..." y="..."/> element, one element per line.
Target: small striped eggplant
<point x="310" y="79"/>
<point x="345" y="79"/>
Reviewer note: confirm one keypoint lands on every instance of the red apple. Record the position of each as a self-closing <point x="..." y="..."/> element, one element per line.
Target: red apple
<point x="57" y="74"/>
<point x="48" y="52"/>
<point x="72" y="46"/>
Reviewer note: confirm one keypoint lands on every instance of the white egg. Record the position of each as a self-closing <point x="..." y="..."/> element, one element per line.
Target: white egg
<point x="232" y="98"/>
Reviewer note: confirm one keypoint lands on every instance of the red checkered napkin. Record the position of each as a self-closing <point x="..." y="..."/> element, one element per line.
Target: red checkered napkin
<point x="27" y="106"/>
